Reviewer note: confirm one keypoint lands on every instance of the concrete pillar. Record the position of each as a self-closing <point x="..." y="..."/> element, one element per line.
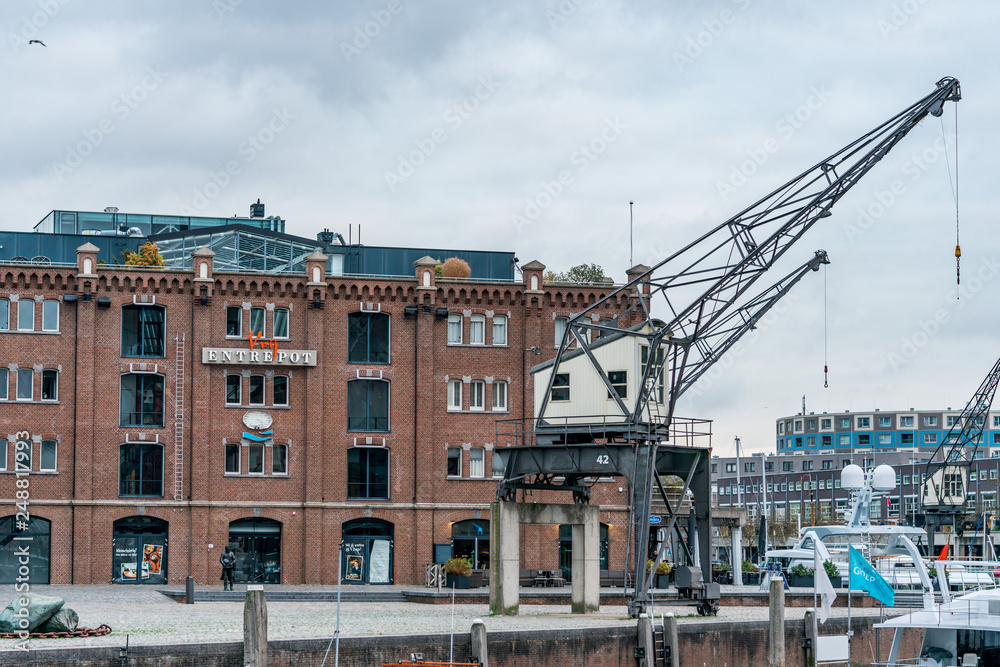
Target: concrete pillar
<point x="670" y="641"/>
<point x="255" y="628"/>
<point x="504" y="559"/>
<point x="586" y="592"/>
<point x="776" y="616"/>
<point x="810" y="623"/>
<point x="478" y="642"/>
<point x="736" y="548"/>
<point x="645" y="641"/>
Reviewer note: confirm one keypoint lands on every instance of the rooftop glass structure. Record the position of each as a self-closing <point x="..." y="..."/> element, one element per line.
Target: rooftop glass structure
<point x="112" y="223"/>
<point x="237" y="247"/>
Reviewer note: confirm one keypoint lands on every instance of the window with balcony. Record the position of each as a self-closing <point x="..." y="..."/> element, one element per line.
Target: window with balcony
<point x="143" y="332"/>
<point x="368" y="338"/>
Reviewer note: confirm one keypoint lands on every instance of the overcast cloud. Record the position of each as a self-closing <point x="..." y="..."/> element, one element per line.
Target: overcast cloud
<point x="437" y="123"/>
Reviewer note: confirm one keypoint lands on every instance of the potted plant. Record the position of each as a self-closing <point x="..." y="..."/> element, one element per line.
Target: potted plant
<point x="662" y="573"/>
<point x="722" y="573"/>
<point x="751" y="574"/>
<point x="458" y="569"/>
<point x="801" y="577"/>
<point x="833" y="573"/>
<point x="933" y="574"/>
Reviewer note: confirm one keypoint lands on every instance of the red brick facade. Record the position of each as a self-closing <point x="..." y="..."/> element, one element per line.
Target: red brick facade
<point x="81" y="498"/>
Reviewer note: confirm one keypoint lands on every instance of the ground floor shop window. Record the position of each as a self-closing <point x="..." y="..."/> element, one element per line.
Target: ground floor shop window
<point x="471" y="539"/>
<point x="566" y="549"/>
<point x="15" y="534"/>
<point x="368" y="552"/>
<point x="139" y="551"/>
<point x="257" y="543"/>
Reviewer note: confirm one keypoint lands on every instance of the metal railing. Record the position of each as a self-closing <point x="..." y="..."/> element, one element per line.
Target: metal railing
<point x="681" y="432"/>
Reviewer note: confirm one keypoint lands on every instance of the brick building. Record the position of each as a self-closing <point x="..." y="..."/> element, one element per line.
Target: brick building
<point x="170" y="411"/>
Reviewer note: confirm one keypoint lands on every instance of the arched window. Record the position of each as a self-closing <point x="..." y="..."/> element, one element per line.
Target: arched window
<point x="142" y="331"/>
<point x="257" y="543"/>
<point x="142" y="399"/>
<point x="36" y="534"/>
<point x="368" y="405"/>
<point x="140" y="469"/>
<point x="368" y="551"/>
<point x="471" y="539"/>
<point x="367" y="473"/>
<point x="368" y="338"/>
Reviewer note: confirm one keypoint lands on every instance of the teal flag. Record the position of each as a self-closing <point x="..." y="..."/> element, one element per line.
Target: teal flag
<point x="865" y="578"/>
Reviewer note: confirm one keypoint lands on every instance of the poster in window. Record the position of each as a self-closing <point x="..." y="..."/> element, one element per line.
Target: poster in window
<point x="152" y="559"/>
<point x="125" y="550"/>
<point x="355" y="567"/>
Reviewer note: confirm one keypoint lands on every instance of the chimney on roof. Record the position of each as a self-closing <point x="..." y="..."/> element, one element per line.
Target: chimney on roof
<point x="257" y="210"/>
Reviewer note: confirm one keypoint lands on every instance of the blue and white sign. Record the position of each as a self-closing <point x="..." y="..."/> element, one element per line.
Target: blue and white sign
<point x="655" y="519"/>
<point x="865" y="578"/>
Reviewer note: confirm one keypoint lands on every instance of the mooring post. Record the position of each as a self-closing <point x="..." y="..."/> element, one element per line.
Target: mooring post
<point x="810" y="639"/>
<point x="646" y="647"/>
<point x="478" y="642"/>
<point x="670" y="641"/>
<point x="776" y="615"/>
<point x="189" y="590"/>
<point x="255" y="628"/>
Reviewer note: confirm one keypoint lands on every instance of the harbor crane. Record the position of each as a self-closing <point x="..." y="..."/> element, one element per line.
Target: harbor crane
<point x="701" y="298"/>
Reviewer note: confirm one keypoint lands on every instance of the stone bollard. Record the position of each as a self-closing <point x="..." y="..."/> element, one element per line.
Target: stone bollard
<point x="776" y="616"/>
<point x="189" y="590"/>
<point x="478" y="642"/>
<point x="670" y="641"/>
<point x="255" y="628"/>
<point x="645" y="641"/>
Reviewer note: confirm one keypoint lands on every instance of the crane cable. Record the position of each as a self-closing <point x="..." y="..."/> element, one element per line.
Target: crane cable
<point x="826" y="367"/>
<point x="954" y="194"/>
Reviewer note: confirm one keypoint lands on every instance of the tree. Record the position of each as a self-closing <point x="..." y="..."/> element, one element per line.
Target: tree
<point x="148" y="255"/>
<point x="582" y="273"/>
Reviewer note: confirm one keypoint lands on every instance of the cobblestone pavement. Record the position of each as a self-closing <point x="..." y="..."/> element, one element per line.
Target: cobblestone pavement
<point x="149" y="617"/>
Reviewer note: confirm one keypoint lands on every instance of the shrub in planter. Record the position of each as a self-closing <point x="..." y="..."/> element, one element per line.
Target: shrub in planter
<point x="454" y="267"/>
<point x="662" y="573"/>
<point x="458" y="569"/>
<point x="801" y="577"/>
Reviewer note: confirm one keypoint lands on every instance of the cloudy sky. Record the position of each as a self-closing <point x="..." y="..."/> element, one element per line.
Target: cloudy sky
<point x="447" y="123"/>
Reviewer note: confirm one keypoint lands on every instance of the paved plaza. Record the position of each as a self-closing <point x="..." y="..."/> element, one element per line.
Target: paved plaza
<point x="149" y="617"/>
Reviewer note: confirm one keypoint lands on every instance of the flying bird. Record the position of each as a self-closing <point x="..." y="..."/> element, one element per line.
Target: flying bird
<point x="37" y="41"/>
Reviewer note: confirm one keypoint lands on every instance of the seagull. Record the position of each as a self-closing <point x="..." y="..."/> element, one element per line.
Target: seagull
<point x="36" y="41"/>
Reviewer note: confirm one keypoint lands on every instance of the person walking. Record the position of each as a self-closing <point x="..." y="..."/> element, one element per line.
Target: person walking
<point x="228" y="562"/>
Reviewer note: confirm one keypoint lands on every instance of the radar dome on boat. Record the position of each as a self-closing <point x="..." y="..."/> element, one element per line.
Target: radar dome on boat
<point x="852" y="477"/>
<point x="884" y="478"/>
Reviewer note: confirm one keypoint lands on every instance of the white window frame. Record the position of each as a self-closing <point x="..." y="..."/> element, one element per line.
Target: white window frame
<point x="238" y="309"/>
<point x="477" y="325"/>
<point x="239" y="458"/>
<point x="500" y="396"/>
<point x="454" y="319"/>
<point x="274" y="324"/>
<point x="274" y="448"/>
<point x="5" y="324"/>
<point x="477" y="470"/>
<point x="477" y="395"/>
<point x="448" y="456"/>
<point x="263" y="457"/>
<point x="930" y="438"/>
<point x="240" y="397"/>
<point x="884" y="421"/>
<point x="55" y="302"/>
<point x="41" y="389"/>
<point x="28" y="305"/>
<point x="55" y="456"/>
<point x="17" y="384"/>
<point x="906" y="421"/>
<point x="288" y="392"/>
<point x="843" y="440"/>
<point x="263" y="319"/>
<point x="3" y="454"/>
<point x="5" y="385"/>
<point x="263" y="400"/>
<point x="930" y="421"/>
<point x="864" y="422"/>
<point x="454" y="395"/>
<point x="496" y="471"/>
<point x="499" y="324"/>
<point x="561" y="323"/>
<point x="885" y="438"/>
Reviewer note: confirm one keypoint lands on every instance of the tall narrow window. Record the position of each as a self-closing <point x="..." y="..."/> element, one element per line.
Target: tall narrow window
<point x="454" y="329"/>
<point x="454" y="394"/>
<point x="476" y="462"/>
<point x="234" y="389"/>
<point x="50" y="315"/>
<point x="255" y="459"/>
<point x="367" y="405"/>
<point x="367" y="473"/>
<point x="499" y="329"/>
<point x="560" y="388"/>
<point x="234" y="321"/>
<point x="24" y="452"/>
<point x="50" y="385"/>
<point x="257" y="321"/>
<point x="141" y="400"/>
<point x="368" y="338"/>
<point x="279" y="459"/>
<point x="561" y="324"/>
<point x="477" y="330"/>
<point x="47" y="460"/>
<point x="25" y="315"/>
<point x="656" y="372"/>
<point x="280" y="323"/>
<point x="280" y="390"/>
<point x="4" y="384"/>
<point x="25" y="384"/>
<point x="140" y="469"/>
<point x="476" y="391"/>
<point x="3" y="456"/>
<point x="232" y="459"/>
<point x="499" y="395"/>
<point x="497" y="464"/>
<point x="256" y="390"/>
<point x="454" y="462"/>
<point x="142" y="331"/>
<point x="4" y="314"/>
